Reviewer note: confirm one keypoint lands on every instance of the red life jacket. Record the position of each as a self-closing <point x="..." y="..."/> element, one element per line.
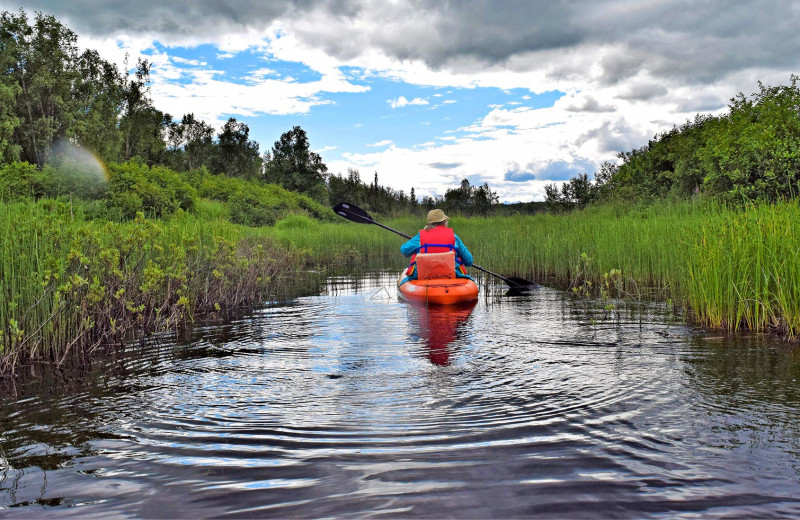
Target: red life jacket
<point x="439" y="239"/>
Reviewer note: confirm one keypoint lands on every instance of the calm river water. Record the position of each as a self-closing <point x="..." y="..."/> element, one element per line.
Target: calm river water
<point x="350" y="404"/>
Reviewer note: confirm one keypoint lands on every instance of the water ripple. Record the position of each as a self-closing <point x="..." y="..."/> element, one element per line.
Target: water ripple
<point x="347" y="405"/>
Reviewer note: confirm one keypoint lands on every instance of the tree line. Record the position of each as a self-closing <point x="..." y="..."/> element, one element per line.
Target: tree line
<point x="750" y="153"/>
<point x="52" y="92"/>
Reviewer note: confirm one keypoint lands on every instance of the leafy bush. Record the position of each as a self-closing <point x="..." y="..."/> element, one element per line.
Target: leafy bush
<point x="253" y="203"/>
<point x="755" y="152"/>
<point x="88" y="181"/>
<point x="156" y="191"/>
<point x="19" y="180"/>
<point x="216" y="187"/>
<point x="247" y="208"/>
<point x="750" y="153"/>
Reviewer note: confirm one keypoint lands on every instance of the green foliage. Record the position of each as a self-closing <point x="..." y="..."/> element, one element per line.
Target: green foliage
<point x="9" y="150"/>
<point x="578" y="192"/>
<point x="68" y="283"/>
<point x="19" y="180"/>
<point x="255" y="204"/>
<point x="236" y="155"/>
<point x="292" y="165"/>
<point x="252" y="209"/>
<point x="374" y="197"/>
<point x="76" y="178"/>
<point x="158" y="191"/>
<point x="755" y="151"/>
<point x="190" y="143"/>
<point x="40" y="66"/>
<point x="141" y="124"/>
<point x="750" y="153"/>
<point x="99" y="99"/>
<point x="470" y="200"/>
<point x="51" y="93"/>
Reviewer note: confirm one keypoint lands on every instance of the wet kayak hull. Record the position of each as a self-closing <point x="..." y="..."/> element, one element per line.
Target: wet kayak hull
<point x="445" y="291"/>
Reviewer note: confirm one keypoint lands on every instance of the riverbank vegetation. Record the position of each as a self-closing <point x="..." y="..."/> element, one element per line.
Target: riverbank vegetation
<point x="726" y="266"/>
<point x="749" y="153"/>
<point x="118" y="220"/>
<point x="72" y="282"/>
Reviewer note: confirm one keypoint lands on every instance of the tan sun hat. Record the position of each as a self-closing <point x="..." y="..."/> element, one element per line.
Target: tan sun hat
<point x="436" y="215"/>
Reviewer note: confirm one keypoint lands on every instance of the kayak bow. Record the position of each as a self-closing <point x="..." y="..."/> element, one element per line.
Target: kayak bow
<point x="443" y="291"/>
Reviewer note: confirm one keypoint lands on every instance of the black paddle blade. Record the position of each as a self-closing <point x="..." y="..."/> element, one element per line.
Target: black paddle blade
<point x="353" y="213"/>
<point x="521" y="284"/>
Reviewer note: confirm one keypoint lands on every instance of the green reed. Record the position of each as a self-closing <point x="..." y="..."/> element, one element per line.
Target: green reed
<point x="70" y="282"/>
<point x="729" y="267"/>
<point x="67" y="282"/>
<point x="744" y="269"/>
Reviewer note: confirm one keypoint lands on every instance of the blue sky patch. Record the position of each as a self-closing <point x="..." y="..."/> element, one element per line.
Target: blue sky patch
<point x="562" y="170"/>
<point x="407" y="115"/>
<point x="519" y="175"/>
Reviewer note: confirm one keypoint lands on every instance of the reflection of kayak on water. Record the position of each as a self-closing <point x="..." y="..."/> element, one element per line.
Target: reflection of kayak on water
<point x="439" y="326"/>
<point x="440" y="291"/>
<point x="442" y="301"/>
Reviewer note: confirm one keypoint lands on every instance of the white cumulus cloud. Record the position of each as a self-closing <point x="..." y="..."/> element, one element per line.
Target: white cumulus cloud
<point x="402" y="102"/>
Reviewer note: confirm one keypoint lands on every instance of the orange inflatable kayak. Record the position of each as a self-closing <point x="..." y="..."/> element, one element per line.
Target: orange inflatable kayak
<point x="441" y="291"/>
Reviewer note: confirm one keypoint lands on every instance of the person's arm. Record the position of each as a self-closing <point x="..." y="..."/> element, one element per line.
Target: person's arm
<point x="410" y="247"/>
<point x="463" y="252"/>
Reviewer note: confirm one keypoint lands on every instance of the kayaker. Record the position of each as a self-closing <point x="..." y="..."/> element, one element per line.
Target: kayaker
<point x="436" y="237"/>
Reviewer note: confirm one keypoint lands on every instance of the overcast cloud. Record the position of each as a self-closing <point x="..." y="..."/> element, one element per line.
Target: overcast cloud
<point x="628" y="69"/>
<point x="699" y="41"/>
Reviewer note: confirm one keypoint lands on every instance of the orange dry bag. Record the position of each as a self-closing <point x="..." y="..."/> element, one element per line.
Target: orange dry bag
<point x="431" y="266"/>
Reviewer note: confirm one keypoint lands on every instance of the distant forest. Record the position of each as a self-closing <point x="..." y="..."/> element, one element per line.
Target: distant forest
<point x="51" y="93"/>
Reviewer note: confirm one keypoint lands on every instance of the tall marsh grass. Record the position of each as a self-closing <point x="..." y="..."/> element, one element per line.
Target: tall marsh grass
<point x="70" y="282"/>
<point x="729" y="267"/>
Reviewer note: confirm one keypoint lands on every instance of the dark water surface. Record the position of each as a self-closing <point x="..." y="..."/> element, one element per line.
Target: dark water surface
<point x="352" y="404"/>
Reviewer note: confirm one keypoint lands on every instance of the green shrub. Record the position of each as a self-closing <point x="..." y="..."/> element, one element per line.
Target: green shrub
<point x="76" y="179"/>
<point x="19" y="180"/>
<point x="247" y="208"/>
<point x="157" y="191"/>
<point x="217" y="187"/>
<point x="212" y="210"/>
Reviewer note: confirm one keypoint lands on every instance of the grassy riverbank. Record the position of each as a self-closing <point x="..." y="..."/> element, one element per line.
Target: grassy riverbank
<point x="70" y="282"/>
<point x="729" y="267"/>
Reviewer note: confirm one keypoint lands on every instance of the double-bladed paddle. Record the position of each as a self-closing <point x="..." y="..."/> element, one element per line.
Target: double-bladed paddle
<point x="356" y="214"/>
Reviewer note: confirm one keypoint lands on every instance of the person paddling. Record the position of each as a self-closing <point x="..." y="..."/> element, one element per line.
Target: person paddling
<point x="436" y="237"/>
